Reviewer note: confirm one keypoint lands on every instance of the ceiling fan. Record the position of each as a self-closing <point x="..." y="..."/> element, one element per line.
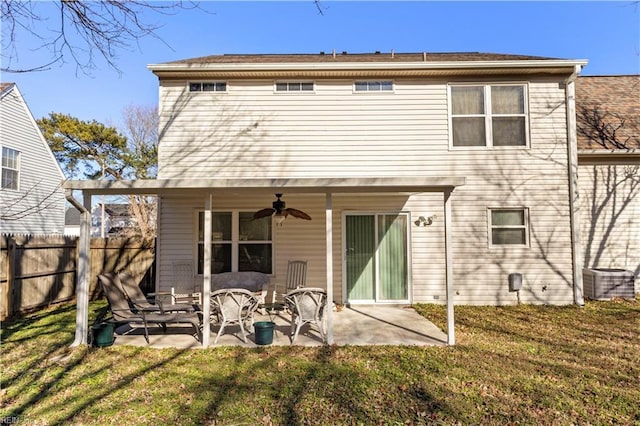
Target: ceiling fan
<point x="280" y="212"/>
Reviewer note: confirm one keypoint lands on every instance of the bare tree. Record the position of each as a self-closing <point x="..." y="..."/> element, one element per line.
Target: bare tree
<point x="80" y="31"/>
<point x="141" y="128"/>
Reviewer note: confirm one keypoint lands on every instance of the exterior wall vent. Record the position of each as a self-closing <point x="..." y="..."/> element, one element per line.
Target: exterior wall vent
<point x="604" y="284"/>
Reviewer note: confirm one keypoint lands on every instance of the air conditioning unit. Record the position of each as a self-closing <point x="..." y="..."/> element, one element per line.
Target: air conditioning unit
<point x="604" y="284"/>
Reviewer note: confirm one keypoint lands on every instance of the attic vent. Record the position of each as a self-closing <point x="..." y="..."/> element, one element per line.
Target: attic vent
<point x="603" y="284"/>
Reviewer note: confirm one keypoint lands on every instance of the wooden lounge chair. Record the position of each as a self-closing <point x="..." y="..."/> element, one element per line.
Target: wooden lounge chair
<point x="124" y="311"/>
<point x="307" y="306"/>
<point x="137" y="297"/>
<point x="296" y="278"/>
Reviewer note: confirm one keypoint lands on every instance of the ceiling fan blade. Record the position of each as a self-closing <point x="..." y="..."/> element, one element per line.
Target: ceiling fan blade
<point x="298" y="213"/>
<point x="263" y="213"/>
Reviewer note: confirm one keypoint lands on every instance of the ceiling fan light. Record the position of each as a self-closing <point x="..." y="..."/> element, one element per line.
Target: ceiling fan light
<point x="279" y="218"/>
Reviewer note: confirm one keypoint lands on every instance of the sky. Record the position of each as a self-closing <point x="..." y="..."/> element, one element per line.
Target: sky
<point x="607" y="34"/>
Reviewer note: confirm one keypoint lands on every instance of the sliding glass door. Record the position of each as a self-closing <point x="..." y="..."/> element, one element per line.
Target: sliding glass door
<point x="376" y="257"/>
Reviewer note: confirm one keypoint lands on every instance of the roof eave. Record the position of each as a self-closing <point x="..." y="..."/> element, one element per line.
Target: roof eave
<point x="609" y="157"/>
<point x="341" y="66"/>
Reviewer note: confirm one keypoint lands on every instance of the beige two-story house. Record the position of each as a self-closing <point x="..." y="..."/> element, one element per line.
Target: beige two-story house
<point x="446" y="177"/>
<point x="491" y="132"/>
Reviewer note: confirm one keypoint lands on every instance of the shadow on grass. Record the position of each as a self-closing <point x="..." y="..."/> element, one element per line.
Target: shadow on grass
<point x="51" y="332"/>
<point x="311" y="386"/>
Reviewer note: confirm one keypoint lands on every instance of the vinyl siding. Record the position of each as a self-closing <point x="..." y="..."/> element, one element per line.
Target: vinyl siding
<point x="610" y="216"/>
<point x="253" y="132"/>
<point x="39" y="193"/>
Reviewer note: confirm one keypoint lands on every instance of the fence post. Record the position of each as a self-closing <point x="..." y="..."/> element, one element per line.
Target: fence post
<point x="11" y="273"/>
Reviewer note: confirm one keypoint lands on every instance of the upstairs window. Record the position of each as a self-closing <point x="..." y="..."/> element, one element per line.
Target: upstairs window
<point x="509" y="227"/>
<point x="294" y="86"/>
<point x="373" y="86"/>
<point x="207" y="86"/>
<point x="239" y="243"/>
<point x="489" y="115"/>
<point x="10" y="168"/>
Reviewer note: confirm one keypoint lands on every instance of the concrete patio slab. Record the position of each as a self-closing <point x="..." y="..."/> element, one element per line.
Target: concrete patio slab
<point x="356" y="325"/>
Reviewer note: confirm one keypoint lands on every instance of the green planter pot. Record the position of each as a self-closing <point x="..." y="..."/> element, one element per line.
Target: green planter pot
<point x="102" y="334"/>
<point x="264" y="332"/>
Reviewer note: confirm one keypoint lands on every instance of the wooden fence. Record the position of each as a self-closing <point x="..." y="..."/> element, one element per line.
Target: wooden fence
<point x="36" y="271"/>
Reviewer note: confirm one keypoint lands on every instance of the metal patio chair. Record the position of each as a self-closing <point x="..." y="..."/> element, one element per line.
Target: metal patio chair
<point x="307" y="306"/>
<point x="124" y="311"/>
<point x="149" y="302"/>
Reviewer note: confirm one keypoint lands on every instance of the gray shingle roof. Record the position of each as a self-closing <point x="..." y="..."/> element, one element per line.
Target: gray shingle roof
<point x="355" y="57"/>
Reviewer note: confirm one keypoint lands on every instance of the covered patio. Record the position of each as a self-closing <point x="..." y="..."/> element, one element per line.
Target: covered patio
<point x="359" y="328"/>
<point x="356" y="326"/>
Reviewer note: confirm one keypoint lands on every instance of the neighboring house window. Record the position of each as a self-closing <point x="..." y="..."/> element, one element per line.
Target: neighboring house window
<point x="239" y="243"/>
<point x="207" y="86"/>
<point x="373" y="86"/>
<point x="509" y="226"/>
<point x="10" y="168"/>
<point x="294" y="86"/>
<point x="489" y="115"/>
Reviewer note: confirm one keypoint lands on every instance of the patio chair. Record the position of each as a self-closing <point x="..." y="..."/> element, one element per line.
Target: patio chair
<point x="150" y="303"/>
<point x="183" y="280"/>
<point x="307" y="306"/>
<point x="296" y="277"/>
<point x="124" y="311"/>
<point x="233" y="306"/>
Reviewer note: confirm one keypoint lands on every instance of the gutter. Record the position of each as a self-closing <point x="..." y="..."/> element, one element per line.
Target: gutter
<point x="574" y="196"/>
<point x="629" y="157"/>
<point x="68" y="194"/>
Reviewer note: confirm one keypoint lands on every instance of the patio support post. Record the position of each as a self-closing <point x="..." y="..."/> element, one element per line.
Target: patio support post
<point x="206" y="282"/>
<point x="451" y="338"/>
<point x="329" y="241"/>
<point x="83" y="268"/>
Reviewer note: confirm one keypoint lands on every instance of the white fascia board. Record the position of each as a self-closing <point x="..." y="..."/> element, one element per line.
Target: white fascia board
<point x="298" y="185"/>
<point x="300" y="66"/>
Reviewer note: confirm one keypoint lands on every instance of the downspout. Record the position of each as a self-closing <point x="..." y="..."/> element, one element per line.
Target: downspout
<point x="574" y="196"/>
<point x="82" y="268"/>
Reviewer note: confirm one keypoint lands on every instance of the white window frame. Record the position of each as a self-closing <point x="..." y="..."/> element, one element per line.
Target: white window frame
<point x="525" y="226"/>
<point x="292" y="84"/>
<point x="3" y="167"/>
<point x="488" y="115"/>
<point x="202" y="83"/>
<point x="235" y="241"/>
<point x="370" y="90"/>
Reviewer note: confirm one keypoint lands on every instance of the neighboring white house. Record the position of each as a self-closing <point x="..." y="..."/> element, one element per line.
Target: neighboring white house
<point x="118" y="220"/>
<point x="71" y="221"/>
<point x="31" y="199"/>
<point x="608" y="110"/>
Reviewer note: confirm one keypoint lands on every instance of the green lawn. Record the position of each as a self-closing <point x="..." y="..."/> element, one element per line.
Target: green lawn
<point x="512" y="365"/>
